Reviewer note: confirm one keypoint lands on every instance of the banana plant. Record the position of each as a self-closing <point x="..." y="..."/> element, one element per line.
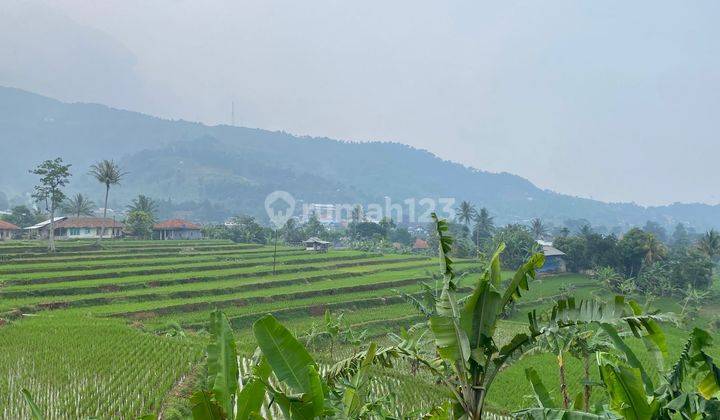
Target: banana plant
<point x="464" y="331"/>
<point x="694" y="369"/>
<point x="633" y="395"/>
<point x="463" y="328"/>
<point x="282" y="371"/>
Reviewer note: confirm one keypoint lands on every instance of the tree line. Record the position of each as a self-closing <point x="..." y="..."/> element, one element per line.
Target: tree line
<point x="51" y="200"/>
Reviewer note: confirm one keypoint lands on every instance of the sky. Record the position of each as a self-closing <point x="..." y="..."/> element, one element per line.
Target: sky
<point x="611" y="100"/>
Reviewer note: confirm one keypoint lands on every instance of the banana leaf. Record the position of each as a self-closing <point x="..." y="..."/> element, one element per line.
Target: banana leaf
<point x="222" y="362"/>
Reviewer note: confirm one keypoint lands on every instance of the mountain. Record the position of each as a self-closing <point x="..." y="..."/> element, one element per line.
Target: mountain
<point x="211" y="172"/>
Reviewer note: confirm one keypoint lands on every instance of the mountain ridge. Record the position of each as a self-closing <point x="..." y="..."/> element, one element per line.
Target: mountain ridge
<point x="236" y="167"/>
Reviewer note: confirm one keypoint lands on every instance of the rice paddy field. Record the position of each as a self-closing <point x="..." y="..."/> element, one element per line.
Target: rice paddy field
<point x="86" y="329"/>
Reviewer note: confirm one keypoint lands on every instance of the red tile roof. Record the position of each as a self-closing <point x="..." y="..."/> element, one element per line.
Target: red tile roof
<point x="177" y="224"/>
<point x="420" y="244"/>
<point x="87" y="222"/>
<point x="7" y="226"/>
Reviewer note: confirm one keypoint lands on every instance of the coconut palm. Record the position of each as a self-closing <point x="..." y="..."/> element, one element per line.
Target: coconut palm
<point x="539" y="230"/>
<point x="144" y="204"/>
<point x="709" y="244"/>
<point x="79" y="205"/>
<point x="357" y="213"/>
<point x="109" y="173"/>
<point x="654" y="249"/>
<point x="465" y="213"/>
<point x="484" y="225"/>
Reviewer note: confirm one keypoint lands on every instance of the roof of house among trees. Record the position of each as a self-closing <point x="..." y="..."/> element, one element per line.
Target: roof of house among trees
<point x="176" y="224"/>
<point x="7" y="226"/>
<point x="87" y="222"/>
<point x="551" y="251"/>
<point x="315" y="240"/>
<point x="420" y="244"/>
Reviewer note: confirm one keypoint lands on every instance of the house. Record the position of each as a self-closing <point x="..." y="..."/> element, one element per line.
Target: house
<point x="77" y="228"/>
<point x="554" y="259"/>
<point x="177" y="229"/>
<point x="87" y="228"/>
<point x="316" y="244"/>
<point x="420" y="245"/>
<point x="8" y="230"/>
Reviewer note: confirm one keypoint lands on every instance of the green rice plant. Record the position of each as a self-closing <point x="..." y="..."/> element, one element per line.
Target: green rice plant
<point x="77" y="367"/>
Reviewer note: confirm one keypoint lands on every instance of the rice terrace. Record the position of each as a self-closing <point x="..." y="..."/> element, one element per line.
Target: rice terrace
<point x="119" y="331"/>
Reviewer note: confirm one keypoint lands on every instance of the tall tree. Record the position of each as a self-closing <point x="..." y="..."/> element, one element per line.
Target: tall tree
<point x="465" y="213"/>
<point x="357" y="213"/>
<point x="107" y="172"/>
<point x="680" y="237"/>
<point x="54" y="175"/>
<point x="539" y="230"/>
<point x="654" y="249"/>
<point x="484" y="225"/>
<point x="709" y="244"/>
<point x="144" y="204"/>
<point x="79" y="205"/>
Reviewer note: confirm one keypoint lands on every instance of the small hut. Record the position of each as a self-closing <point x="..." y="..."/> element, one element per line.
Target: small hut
<point x="554" y="259"/>
<point x="316" y="244"/>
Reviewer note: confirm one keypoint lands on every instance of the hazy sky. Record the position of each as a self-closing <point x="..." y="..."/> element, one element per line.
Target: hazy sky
<point x="614" y="100"/>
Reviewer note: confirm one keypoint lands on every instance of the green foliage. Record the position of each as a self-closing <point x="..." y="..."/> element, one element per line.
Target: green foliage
<point x="78" y="205"/>
<point x="538" y="229"/>
<point x="519" y="243"/>
<point x="22" y="216"/>
<point x="222" y="362"/>
<point x="139" y="224"/>
<point x="709" y="244"/>
<point x="144" y="204"/>
<point x="313" y="227"/>
<point x="483" y="228"/>
<point x="108" y="173"/>
<point x="54" y="176"/>
<point x="244" y="229"/>
<point x="34" y="409"/>
<point x="465" y="213"/>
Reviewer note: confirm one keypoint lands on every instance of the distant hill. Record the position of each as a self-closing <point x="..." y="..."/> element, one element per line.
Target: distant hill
<point x="209" y="173"/>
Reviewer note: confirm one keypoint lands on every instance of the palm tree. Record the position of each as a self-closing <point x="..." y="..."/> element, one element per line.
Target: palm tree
<point x="106" y="172"/>
<point x="539" y="230"/>
<point x="78" y="206"/>
<point x="357" y="213"/>
<point x="654" y="249"/>
<point x="465" y="213"/>
<point x="709" y="244"/>
<point x="144" y="204"/>
<point x="484" y="224"/>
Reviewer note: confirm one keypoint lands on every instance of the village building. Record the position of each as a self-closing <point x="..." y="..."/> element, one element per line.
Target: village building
<point x="87" y="228"/>
<point x="554" y="259"/>
<point x="8" y="230"/>
<point x="316" y="244"/>
<point x="77" y="228"/>
<point x="420" y="245"/>
<point x="177" y="229"/>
